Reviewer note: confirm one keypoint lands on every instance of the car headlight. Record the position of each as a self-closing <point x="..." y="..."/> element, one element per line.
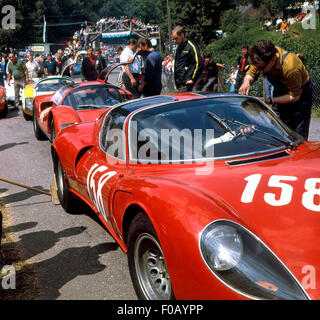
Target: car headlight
<point x="29" y="102"/>
<point x="245" y="264"/>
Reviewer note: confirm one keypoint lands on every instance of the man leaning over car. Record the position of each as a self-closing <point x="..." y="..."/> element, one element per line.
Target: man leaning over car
<point x="292" y="90"/>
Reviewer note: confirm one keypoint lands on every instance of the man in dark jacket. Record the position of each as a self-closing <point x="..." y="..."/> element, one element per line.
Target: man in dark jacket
<point x="243" y="66"/>
<point x="88" y="69"/>
<point x="188" y="62"/>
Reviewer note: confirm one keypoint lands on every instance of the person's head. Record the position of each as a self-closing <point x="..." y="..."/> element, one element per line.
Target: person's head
<point x="90" y="52"/>
<point x="12" y="57"/>
<point x="97" y="52"/>
<point x="206" y="58"/>
<point x="178" y="35"/>
<point x="244" y="49"/>
<point x="144" y="44"/>
<point x="49" y="56"/>
<point x="263" y="55"/>
<point x="132" y="44"/>
<point x="30" y="57"/>
<point x="60" y="53"/>
<point x="119" y="50"/>
<point x="233" y="68"/>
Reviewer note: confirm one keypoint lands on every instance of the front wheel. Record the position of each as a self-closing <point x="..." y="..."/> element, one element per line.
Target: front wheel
<point x="36" y="127"/>
<point x="66" y="199"/>
<point x="146" y="261"/>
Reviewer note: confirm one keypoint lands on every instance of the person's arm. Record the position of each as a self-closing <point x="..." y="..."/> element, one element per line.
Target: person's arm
<point x="196" y="67"/>
<point x="27" y="74"/>
<point x="9" y="77"/>
<point x="246" y="85"/>
<point x="220" y="65"/>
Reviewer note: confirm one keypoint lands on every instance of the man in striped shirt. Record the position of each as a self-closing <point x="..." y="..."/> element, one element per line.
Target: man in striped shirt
<point x="188" y="62"/>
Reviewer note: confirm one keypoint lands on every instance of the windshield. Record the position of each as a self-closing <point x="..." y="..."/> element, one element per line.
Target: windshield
<point x="211" y="128"/>
<point x="52" y="85"/>
<point x="94" y="96"/>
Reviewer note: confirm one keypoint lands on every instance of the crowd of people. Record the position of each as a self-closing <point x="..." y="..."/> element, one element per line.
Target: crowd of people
<point x="80" y="38"/>
<point x="304" y="16"/>
<point x="146" y="73"/>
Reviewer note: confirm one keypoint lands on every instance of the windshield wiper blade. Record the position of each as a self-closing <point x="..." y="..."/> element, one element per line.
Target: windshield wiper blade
<point x="221" y="122"/>
<point x="85" y="106"/>
<point x="288" y="144"/>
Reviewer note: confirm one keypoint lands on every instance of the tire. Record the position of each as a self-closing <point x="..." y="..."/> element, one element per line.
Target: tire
<point x="148" y="270"/>
<point x="4" y="112"/>
<point x="26" y="116"/>
<point x="36" y="128"/>
<point x="65" y="197"/>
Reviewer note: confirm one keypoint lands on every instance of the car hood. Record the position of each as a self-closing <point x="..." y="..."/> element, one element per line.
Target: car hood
<point x="277" y="200"/>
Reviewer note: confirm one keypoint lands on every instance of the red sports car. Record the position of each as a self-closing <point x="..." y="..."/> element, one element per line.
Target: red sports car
<point x="212" y="197"/>
<point x="75" y="103"/>
<point x="3" y="102"/>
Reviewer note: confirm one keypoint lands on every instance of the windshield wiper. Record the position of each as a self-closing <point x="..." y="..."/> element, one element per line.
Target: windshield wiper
<point x="86" y="106"/>
<point x="221" y="122"/>
<point x="288" y="144"/>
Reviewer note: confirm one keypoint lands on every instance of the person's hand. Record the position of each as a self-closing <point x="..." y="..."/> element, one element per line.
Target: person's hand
<point x="189" y="82"/>
<point x="245" y="88"/>
<point x="133" y="82"/>
<point x="245" y="130"/>
<point x="266" y="100"/>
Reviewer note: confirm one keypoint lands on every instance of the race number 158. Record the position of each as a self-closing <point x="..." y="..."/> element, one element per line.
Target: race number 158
<point x="310" y="198"/>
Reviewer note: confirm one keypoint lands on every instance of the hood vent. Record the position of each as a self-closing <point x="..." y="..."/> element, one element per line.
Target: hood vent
<point x="277" y="155"/>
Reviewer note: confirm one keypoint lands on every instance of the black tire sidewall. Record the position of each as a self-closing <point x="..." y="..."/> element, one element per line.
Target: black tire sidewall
<point x="139" y="225"/>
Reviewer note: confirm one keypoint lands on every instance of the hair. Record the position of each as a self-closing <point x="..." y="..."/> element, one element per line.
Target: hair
<point x="145" y="42"/>
<point x="245" y="46"/>
<point x="179" y="30"/>
<point x="119" y="49"/>
<point x="262" y="52"/>
<point x="132" y="41"/>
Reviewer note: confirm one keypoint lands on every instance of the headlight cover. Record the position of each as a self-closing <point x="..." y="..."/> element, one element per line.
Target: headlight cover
<point x="29" y="103"/>
<point x="245" y="264"/>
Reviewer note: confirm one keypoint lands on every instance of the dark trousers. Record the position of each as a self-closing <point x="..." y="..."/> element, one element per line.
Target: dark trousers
<point x="297" y="115"/>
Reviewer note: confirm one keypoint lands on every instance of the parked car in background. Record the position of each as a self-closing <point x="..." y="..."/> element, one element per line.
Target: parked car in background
<point x="75" y="103"/>
<point x="3" y="102"/>
<point x="45" y="86"/>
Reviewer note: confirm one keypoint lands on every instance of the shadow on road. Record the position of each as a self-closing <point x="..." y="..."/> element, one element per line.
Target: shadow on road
<point x="11" y="145"/>
<point x="23" y="195"/>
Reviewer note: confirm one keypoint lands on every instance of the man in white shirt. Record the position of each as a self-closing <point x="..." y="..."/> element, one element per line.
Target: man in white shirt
<point x="33" y="67"/>
<point x="132" y="72"/>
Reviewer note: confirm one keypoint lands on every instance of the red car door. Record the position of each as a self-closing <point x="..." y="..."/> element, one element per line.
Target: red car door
<point x="98" y="175"/>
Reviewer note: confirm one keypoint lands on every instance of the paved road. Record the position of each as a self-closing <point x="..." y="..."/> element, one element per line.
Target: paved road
<point x="73" y="255"/>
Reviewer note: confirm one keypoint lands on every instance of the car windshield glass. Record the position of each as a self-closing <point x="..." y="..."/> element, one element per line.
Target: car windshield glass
<point x="94" y="96"/>
<point x="52" y="85"/>
<point x="211" y="128"/>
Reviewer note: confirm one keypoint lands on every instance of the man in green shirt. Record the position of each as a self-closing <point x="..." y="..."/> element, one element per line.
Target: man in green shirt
<point x="19" y="72"/>
<point x="292" y="89"/>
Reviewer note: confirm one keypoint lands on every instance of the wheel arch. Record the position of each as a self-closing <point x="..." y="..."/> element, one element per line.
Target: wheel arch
<point x="128" y="217"/>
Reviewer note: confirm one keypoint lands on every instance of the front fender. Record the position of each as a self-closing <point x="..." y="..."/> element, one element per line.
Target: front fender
<point x="179" y="213"/>
<point x="63" y="115"/>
